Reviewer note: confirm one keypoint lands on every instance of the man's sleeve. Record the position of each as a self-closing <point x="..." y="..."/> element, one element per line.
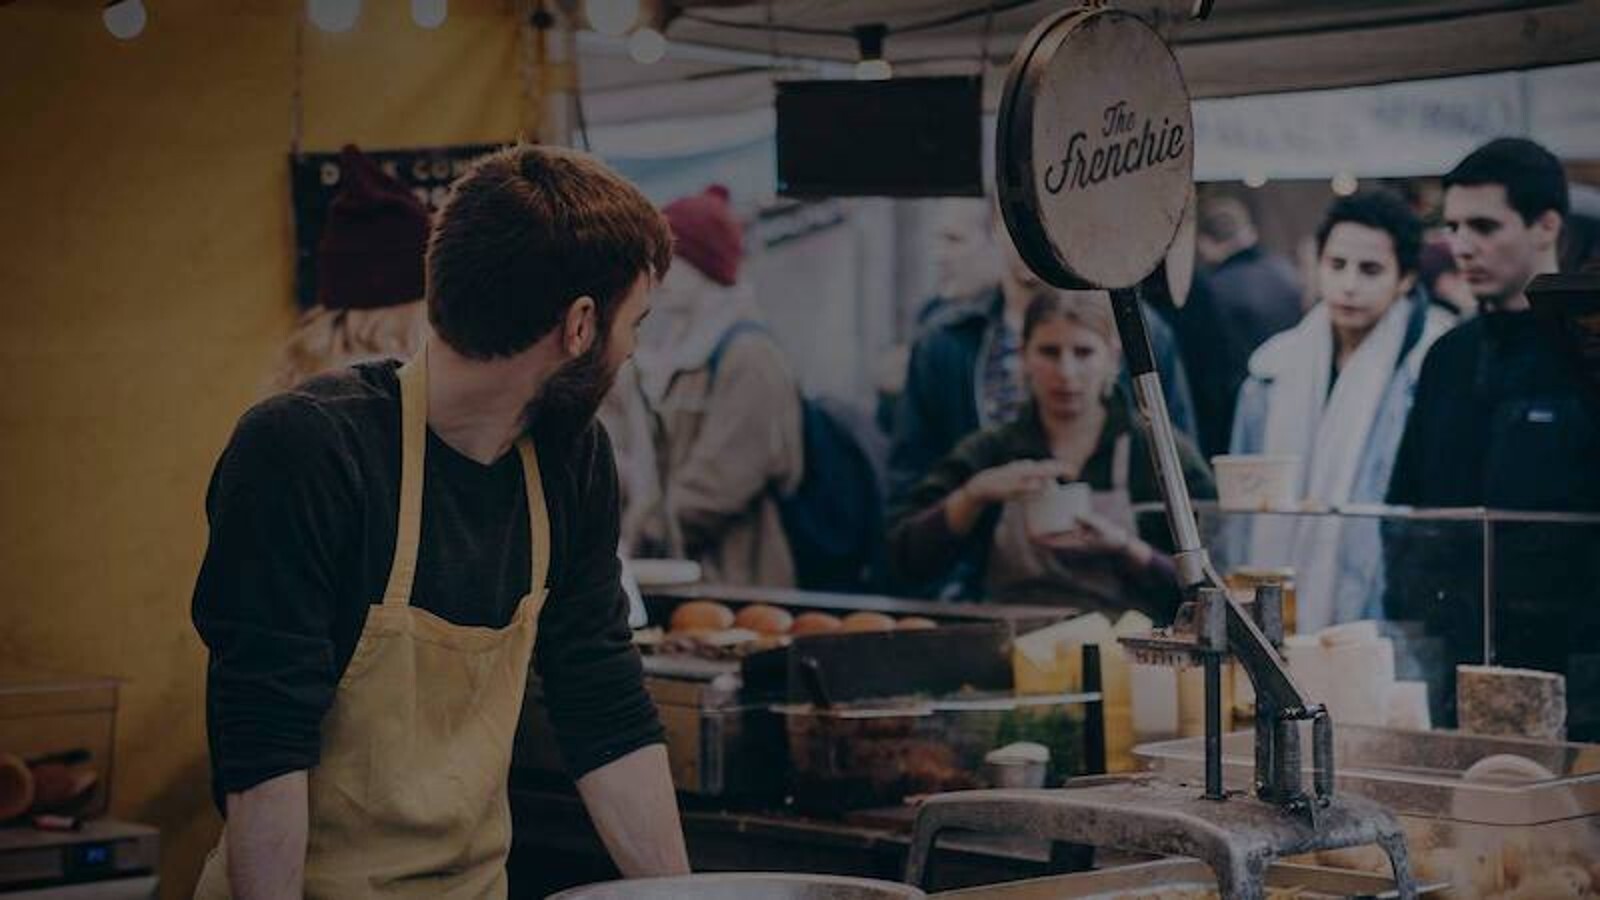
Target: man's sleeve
<point x="279" y="508"/>
<point x="592" y="678"/>
<point x="1405" y="480"/>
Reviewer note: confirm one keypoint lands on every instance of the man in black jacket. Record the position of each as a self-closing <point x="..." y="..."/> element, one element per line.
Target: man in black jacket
<point x="1499" y="422"/>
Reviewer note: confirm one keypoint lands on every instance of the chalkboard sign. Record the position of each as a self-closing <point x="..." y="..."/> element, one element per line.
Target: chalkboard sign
<point x="1568" y="306"/>
<point x="314" y="180"/>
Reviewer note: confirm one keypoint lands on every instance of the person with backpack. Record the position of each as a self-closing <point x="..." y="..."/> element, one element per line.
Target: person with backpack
<point x="729" y="405"/>
<point x="968" y="516"/>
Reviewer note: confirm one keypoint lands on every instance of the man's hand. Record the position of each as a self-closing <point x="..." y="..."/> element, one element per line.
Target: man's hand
<point x="267" y="839"/>
<point x="633" y="807"/>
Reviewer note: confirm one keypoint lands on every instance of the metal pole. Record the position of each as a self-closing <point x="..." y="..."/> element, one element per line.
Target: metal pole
<point x="1213" y="676"/>
<point x="1190" y="557"/>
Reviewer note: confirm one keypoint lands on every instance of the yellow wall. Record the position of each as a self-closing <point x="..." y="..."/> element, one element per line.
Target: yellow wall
<point x="146" y="279"/>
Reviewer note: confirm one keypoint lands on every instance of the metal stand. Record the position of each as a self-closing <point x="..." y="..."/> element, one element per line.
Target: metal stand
<point x="1237" y="836"/>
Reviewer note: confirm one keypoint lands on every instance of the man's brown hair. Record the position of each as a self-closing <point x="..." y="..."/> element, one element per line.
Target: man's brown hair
<point x="528" y="230"/>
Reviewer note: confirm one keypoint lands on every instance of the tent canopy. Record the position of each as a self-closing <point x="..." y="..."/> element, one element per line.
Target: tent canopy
<point x="722" y="53"/>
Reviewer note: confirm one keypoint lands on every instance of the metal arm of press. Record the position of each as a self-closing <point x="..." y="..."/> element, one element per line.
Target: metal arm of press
<point x="1280" y="703"/>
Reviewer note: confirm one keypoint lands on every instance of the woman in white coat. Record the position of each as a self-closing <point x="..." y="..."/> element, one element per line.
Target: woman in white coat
<point x="1335" y="391"/>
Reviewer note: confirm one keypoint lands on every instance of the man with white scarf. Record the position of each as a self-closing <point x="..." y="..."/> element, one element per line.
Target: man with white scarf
<point x="1335" y="391"/>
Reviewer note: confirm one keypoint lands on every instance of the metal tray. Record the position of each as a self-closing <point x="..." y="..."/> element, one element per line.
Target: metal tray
<point x="743" y="885"/>
<point x="1164" y="877"/>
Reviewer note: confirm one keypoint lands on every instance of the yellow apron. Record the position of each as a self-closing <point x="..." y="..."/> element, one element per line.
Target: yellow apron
<point x="410" y="798"/>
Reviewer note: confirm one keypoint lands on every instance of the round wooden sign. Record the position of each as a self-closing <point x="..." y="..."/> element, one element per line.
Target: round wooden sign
<point x="1095" y="149"/>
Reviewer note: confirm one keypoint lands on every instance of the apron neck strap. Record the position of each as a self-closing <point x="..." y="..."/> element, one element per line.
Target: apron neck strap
<point x="538" y="516"/>
<point x="413" y="446"/>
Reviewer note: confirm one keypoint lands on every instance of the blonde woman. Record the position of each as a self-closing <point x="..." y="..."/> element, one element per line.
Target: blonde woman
<point x="965" y="518"/>
<point x="369" y="278"/>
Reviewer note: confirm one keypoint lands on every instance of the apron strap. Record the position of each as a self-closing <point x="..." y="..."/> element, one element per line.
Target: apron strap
<point x="1121" y="455"/>
<point x="538" y="516"/>
<point x="413" y="444"/>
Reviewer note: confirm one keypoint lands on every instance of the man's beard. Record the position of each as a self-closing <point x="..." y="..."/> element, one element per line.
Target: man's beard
<point x="573" y="394"/>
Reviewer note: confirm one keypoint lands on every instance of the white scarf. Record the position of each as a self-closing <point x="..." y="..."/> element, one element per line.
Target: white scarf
<point x="1329" y="432"/>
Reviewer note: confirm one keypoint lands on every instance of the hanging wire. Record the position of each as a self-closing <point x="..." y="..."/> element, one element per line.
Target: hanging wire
<point x="574" y="83"/>
<point x="297" y="85"/>
<point x="526" y="120"/>
<point x="943" y="21"/>
<point x="772" y="39"/>
<point x="983" y="41"/>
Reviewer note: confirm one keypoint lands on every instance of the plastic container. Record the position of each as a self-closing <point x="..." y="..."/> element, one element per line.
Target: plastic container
<point x="1490" y="815"/>
<point x="1257" y="483"/>
<point x="860" y="755"/>
<point x="1057" y="507"/>
<point x="68" y="723"/>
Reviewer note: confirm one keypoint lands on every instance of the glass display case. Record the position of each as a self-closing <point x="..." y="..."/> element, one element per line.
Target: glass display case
<point x="1446" y="587"/>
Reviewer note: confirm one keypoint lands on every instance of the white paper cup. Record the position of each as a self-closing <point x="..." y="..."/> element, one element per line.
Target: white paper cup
<point x="1056" y="508"/>
<point x="1257" y="483"/>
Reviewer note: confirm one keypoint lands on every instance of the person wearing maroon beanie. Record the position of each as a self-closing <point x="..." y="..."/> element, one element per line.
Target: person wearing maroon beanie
<point x="369" y="277"/>
<point x="728" y="403"/>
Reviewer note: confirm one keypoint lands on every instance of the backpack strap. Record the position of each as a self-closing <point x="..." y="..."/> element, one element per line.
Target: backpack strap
<point x="743" y="326"/>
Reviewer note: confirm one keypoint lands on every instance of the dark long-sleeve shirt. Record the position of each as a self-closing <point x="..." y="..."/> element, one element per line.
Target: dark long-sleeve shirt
<point x="303" y="508"/>
<point x="1500" y="421"/>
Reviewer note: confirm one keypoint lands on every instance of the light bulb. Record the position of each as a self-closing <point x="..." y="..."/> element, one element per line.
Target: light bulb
<point x="1255" y="178"/>
<point x="429" y="13"/>
<point x="124" y="18"/>
<point x="874" y="70"/>
<point x="334" y="15"/>
<point x="647" y="45"/>
<point x="1345" y="184"/>
<point x="611" y="17"/>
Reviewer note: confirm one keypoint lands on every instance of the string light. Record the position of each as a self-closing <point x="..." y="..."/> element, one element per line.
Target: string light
<point x="874" y="70"/>
<point x="647" y="45"/>
<point x="429" y="14"/>
<point x="1345" y="184"/>
<point x="125" y="19"/>
<point x="611" y="17"/>
<point x="869" y="43"/>
<point x="1255" y="178"/>
<point x="334" y="15"/>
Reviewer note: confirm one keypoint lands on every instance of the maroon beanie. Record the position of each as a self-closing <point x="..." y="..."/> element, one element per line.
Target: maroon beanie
<point x="705" y="232"/>
<point x="374" y="241"/>
<point x="1434" y="261"/>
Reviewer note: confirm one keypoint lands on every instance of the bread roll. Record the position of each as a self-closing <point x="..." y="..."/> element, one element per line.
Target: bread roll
<point x="815" y="623"/>
<point x="763" y="618"/>
<point x="701" y="615"/>
<point x="915" y="623"/>
<point x="868" y="621"/>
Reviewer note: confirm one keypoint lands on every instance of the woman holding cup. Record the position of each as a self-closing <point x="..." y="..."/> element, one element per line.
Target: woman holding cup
<point x="1041" y="510"/>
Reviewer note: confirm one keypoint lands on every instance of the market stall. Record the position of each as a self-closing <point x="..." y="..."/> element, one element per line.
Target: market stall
<point x="1295" y="692"/>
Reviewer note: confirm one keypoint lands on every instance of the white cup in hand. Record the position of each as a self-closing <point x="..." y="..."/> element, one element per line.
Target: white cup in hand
<point x="1056" y="507"/>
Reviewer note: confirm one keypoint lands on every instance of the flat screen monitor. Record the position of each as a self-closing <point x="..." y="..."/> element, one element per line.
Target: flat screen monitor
<point x="903" y="137"/>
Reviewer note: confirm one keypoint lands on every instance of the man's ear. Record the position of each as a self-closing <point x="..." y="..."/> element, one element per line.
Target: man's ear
<point x="1407" y="282"/>
<point x="1549" y="227"/>
<point x="581" y="328"/>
